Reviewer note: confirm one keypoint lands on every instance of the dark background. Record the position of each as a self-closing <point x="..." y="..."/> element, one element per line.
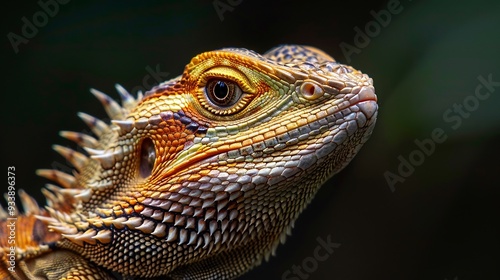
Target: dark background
<point x="442" y="222"/>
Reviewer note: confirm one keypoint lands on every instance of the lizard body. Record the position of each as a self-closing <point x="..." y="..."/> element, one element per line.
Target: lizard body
<point x="204" y="175"/>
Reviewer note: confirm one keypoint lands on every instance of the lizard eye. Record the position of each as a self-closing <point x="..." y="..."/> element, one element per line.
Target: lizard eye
<point x="222" y="94"/>
<point x="147" y="159"/>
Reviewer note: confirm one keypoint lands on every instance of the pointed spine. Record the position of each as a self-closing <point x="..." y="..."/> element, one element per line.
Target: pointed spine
<point x="45" y="219"/>
<point x="160" y="231"/>
<point x="52" y="198"/>
<point x="94" y="152"/>
<point x="80" y="237"/>
<point x="104" y="236"/>
<point x="3" y="213"/>
<point x="133" y="223"/>
<point x="172" y="234"/>
<point x="106" y="160"/>
<point x="29" y="203"/>
<point x="83" y="140"/>
<point x="80" y="194"/>
<point x="77" y="159"/>
<point x="73" y="238"/>
<point x="128" y="101"/>
<point x="57" y="176"/>
<point x="84" y="195"/>
<point x="97" y="126"/>
<point x="62" y="229"/>
<point x="112" y="108"/>
<point x="100" y="185"/>
<point x="124" y="126"/>
<point x="140" y="95"/>
<point x="87" y="236"/>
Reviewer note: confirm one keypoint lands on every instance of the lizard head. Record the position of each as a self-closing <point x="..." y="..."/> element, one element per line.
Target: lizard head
<point x="213" y="166"/>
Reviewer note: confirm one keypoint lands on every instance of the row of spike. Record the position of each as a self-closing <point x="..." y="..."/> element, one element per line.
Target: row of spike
<point x="117" y="114"/>
<point x="114" y="111"/>
<point x="62" y="200"/>
<point x="56" y="195"/>
<point x="112" y="108"/>
<point x="76" y="229"/>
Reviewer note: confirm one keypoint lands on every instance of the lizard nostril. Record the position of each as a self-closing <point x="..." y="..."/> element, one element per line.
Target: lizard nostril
<point x="147" y="159"/>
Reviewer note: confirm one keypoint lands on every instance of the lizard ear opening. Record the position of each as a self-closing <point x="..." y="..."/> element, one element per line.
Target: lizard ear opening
<point x="147" y="158"/>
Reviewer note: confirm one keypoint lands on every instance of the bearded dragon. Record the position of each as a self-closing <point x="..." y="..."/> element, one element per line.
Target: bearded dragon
<point x="202" y="177"/>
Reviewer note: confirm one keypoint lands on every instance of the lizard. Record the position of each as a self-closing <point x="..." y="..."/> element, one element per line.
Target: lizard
<point x="201" y="177"/>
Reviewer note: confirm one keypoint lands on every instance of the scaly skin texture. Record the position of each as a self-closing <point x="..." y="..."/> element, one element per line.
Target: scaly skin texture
<point x="203" y="176"/>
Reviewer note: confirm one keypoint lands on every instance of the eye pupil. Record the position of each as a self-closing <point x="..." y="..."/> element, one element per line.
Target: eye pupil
<point x="222" y="95"/>
<point x="148" y="157"/>
<point x="220" y="90"/>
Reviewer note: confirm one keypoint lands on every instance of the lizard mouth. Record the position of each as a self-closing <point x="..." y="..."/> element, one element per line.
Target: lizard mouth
<point x="367" y="101"/>
<point x="363" y="103"/>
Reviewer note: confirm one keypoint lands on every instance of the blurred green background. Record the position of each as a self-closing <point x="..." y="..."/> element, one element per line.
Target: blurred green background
<point x="442" y="222"/>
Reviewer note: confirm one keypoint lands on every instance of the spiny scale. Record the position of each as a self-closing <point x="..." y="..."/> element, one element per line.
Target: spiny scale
<point x="99" y="185"/>
<point x="97" y="126"/>
<point x="124" y="126"/>
<point x="112" y="108"/>
<point x="84" y="195"/>
<point x="83" y="140"/>
<point x="29" y="204"/>
<point x="77" y="159"/>
<point x="128" y="101"/>
<point x="57" y="176"/>
<point x="107" y="160"/>
<point x="93" y="152"/>
<point x="52" y="199"/>
<point x="103" y="236"/>
<point x="76" y="193"/>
